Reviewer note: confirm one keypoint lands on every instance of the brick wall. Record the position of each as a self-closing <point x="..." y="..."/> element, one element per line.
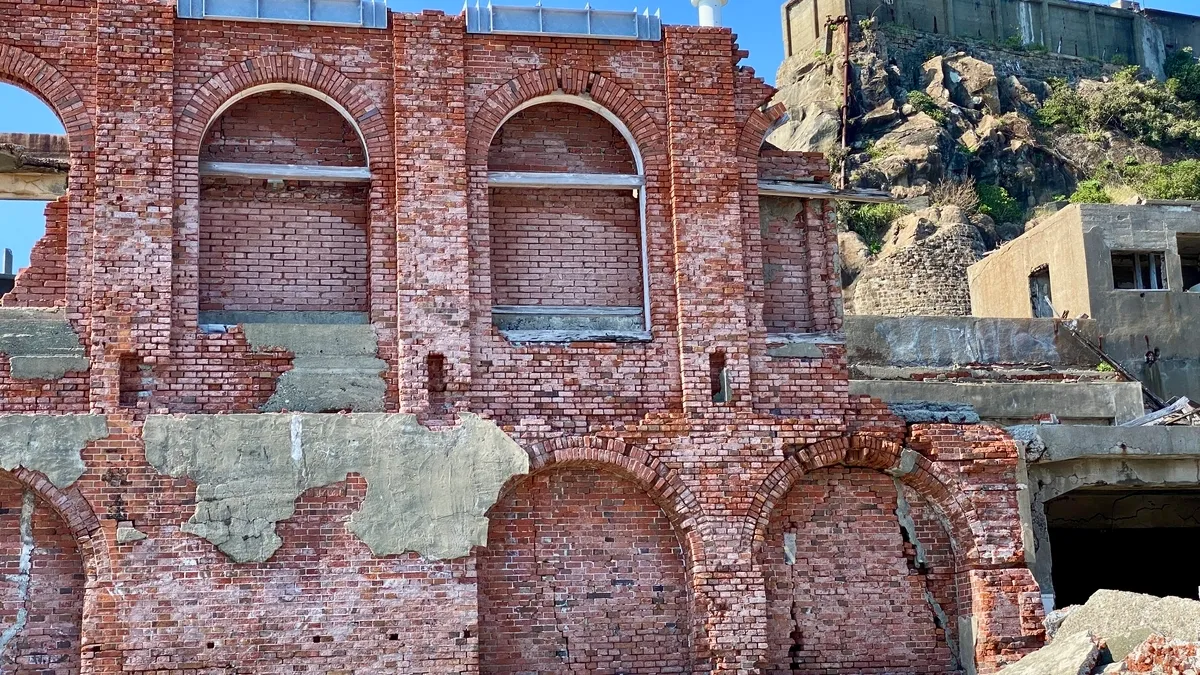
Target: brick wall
<point x="560" y="137"/>
<point x="854" y="600"/>
<point x="565" y="247"/>
<point x="299" y="248"/>
<point x="52" y="610"/>
<point x="786" y="267"/>
<point x="698" y="476"/>
<point x="44" y="282"/>
<point x="283" y="127"/>
<point x="583" y="572"/>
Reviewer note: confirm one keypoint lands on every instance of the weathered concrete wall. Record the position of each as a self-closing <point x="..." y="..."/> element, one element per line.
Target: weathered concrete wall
<point x="1000" y="282"/>
<point x="427" y="490"/>
<point x="49" y="444"/>
<point x="1018" y="403"/>
<point x="40" y="344"/>
<point x="1075" y="29"/>
<point x="949" y="341"/>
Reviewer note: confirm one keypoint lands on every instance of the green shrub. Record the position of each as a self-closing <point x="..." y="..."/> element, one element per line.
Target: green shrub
<point x="1064" y="107"/>
<point x="1180" y="180"/>
<point x="1090" y="192"/>
<point x="925" y="103"/>
<point x="1183" y="75"/>
<point x="871" y="221"/>
<point x="1119" y="60"/>
<point x="1014" y="42"/>
<point x="880" y="150"/>
<point x="995" y="201"/>
<point x="1103" y="367"/>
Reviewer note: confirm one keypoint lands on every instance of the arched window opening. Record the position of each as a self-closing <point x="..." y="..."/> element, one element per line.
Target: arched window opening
<point x="284" y="211"/>
<point x="567" y="209"/>
<point x="33" y="185"/>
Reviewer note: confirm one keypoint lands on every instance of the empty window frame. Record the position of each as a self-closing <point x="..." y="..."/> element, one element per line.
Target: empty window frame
<point x="1189" y="261"/>
<point x="1039" y="292"/>
<point x="567" y="209"/>
<point x="1139" y="270"/>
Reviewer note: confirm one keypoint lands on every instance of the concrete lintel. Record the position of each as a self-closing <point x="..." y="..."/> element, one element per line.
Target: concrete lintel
<point x="1064" y="443"/>
<point x="286" y="171"/>
<point x="809" y="190"/>
<point x="569" y="336"/>
<point x="1091" y="401"/>
<point x="564" y="181"/>
<point x="32" y="186"/>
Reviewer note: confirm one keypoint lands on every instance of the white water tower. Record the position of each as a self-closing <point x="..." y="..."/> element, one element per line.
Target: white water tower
<point x="710" y="11"/>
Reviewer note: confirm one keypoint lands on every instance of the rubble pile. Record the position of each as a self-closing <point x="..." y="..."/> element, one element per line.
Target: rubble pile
<point x="1119" y="632"/>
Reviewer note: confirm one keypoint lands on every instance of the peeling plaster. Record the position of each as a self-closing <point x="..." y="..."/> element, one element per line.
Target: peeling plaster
<point x="24" y="569"/>
<point x="49" y="443"/>
<point x="427" y="490"/>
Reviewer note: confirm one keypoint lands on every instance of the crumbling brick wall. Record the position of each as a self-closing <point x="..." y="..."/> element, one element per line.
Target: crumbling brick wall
<point x="44" y="282"/>
<point x="41" y="599"/>
<point x="583" y="571"/>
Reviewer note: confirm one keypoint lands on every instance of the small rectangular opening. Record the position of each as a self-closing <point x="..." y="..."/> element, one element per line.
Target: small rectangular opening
<point x="718" y="374"/>
<point x="435" y="369"/>
<point x="134" y="381"/>
<point x="1142" y="271"/>
<point x="1039" y="292"/>
<point x="1189" y="260"/>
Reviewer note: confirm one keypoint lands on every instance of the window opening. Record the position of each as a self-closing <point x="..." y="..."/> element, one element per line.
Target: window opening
<point x="718" y="373"/>
<point x="568" y="225"/>
<point x="36" y="177"/>
<point x="435" y="367"/>
<point x="1189" y="261"/>
<point x="135" y="381"/>
<point x="1139" y="271"/>
<point x="1039" y="292"/>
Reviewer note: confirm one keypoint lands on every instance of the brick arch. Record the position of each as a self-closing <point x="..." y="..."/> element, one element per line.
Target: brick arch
<point x="563" y="80"/>
<point x="282" y="69"/>
<point x="869" y="452"/>
<point x="661" y="483"/>
<point x="27" y="71"/>
<point x="755" y="128"/>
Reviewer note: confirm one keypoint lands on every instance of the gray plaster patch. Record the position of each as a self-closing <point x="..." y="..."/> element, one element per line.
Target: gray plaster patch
<point x="943" y="622"/>
<point x="40" y="343"/>
<point x="904" y="515"/>
<point x="335" y="366"/>
<point x="427" y="490"/>
<point x="49" y="443"/>
<point x="127" y="534"/>
<point x="934" y="412"/>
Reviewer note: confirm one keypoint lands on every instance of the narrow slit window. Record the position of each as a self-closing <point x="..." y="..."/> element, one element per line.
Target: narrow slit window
<point x="1139" y="271"/>
<point x="718" y="373"/>
<point x="1039" y="292"/>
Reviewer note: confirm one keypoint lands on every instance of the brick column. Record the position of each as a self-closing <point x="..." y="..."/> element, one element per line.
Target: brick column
<point x="710" y="271"/>
<point x="131" y="309"/>
<point x="431" y="200"/>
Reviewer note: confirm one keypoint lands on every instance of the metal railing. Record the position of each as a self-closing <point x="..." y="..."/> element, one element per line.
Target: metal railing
<point x="586" y="22"/>
<point x="362" y="13"/>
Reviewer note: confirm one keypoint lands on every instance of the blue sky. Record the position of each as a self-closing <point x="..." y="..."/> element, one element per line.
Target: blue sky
<point x="756" y="23"/>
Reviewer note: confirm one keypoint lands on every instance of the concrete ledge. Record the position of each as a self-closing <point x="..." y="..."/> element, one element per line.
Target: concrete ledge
<point x="567" y="320"/>
<point x="945" y="341"/>
<point x="801" y="345"/>
<point x="40" y="343"/>
<point x="1065" y="443"/>
<point x="1093" y="401"/>
<point x="237" y="318"/>
<point x="569" y="336"/>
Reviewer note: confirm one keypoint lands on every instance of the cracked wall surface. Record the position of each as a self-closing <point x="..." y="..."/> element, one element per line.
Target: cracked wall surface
<point x="49" y="444"/>
<point x="40" y="343"/>
<point x="427" y="492"/>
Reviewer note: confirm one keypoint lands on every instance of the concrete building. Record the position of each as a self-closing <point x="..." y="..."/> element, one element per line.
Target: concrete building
<point x="1133" y="269"/>
<point x="7" y="278"/>
<point x="1121" y="33"/>
<point x="378" y="342"/>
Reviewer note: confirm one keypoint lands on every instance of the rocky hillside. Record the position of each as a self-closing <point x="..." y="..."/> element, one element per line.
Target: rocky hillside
<point x="974" y="150"/>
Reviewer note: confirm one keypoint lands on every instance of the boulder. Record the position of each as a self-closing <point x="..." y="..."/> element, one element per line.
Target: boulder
<point x="812" y="93"/>
<point x="855" y="255"/>
<point x="1124" y="620"/>
<point x="933" y="79"/>
<point x="972" y="83"/>
<point x="1069" y="655"/>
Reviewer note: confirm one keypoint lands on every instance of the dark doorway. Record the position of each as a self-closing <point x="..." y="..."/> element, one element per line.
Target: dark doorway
<point x="1039" y="292"/>
<point x="1143" y="541"/>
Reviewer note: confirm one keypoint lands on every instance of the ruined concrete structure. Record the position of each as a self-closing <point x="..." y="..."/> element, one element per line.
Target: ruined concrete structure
<point x="1135" y="269"/>
<point x="417" y="347"/>
<point x="1120" y="33"/>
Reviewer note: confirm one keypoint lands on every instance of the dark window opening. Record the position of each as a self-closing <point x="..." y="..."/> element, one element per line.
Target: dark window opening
<point x="7" y="278"/>
<point x="435" y="370"/>
<point x="1189" y="261"/>
<point x="718" y="374"/>
<point x="1085" y="522"/>
<point x="1139" y="271"/>
<point x="1039" y="292"/>
<point x="134" y="381"/>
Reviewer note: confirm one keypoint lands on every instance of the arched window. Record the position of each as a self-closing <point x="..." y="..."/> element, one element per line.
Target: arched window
<point x="284" y="207"/>
<point x="567" y="223"/>
<point x="33" y="203"/>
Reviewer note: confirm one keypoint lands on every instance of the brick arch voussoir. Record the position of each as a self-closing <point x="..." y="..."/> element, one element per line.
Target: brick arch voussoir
<point x="282" y="69"/>
<point x="870" y="452"/>
<point x="573" y="81"/>
<point x="661" y="483"/>
<point x="74" y="510"/>
<point x="29" y="72"/>
<point x="755" y="128"/>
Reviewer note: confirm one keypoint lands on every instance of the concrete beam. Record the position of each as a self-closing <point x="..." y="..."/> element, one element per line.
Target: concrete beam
<point x="1012" y="401"/>
<point x="33" y="166"/>
<point x="286" y="171"/>
<point x="563" y="181"/>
